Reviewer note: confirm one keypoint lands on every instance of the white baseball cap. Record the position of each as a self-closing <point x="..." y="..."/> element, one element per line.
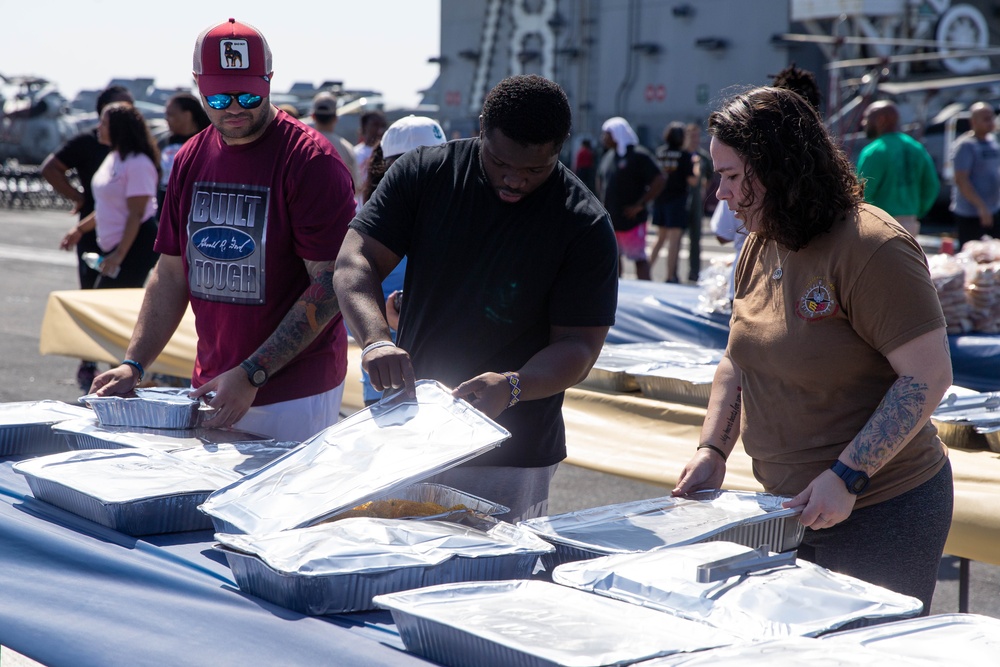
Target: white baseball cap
<point x="411" y="132"/>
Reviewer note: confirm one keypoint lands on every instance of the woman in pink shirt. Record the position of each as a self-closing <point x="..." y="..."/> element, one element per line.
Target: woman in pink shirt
<point x="124" y="200"/>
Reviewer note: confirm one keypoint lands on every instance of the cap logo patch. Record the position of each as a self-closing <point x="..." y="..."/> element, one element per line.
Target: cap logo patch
<point x="234" y="54"/>
<point x="819" y="302"/>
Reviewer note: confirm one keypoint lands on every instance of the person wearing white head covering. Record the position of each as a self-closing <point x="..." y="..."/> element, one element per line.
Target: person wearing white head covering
<point x="628" y="179"/>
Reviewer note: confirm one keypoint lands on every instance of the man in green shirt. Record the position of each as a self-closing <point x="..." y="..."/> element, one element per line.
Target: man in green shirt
<point x="898" y="172"/>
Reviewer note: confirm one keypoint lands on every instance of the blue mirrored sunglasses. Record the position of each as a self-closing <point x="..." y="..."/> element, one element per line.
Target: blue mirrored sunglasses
<point x="224" y="100"/>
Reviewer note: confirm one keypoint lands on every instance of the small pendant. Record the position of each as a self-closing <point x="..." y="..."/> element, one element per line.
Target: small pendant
<point x="777" y="274"/>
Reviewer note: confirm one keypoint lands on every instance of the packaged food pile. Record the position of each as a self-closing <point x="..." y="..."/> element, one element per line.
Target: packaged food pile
<point x="968" y="285"/>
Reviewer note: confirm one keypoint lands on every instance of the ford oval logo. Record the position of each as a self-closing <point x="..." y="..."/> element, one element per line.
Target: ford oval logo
<point x="223" y="243"/>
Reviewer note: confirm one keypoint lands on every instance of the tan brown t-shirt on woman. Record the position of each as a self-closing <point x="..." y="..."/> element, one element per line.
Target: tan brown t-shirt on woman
<point x="811" y="347"/>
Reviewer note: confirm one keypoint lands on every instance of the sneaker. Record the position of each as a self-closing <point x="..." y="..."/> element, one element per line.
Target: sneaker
<point x="85" y="375"/>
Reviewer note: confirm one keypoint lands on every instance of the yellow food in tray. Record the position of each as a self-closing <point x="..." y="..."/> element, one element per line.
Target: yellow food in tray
<point x="398" y="509"/>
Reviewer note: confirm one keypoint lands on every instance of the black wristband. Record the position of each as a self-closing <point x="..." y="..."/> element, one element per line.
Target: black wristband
<point x="714" y="449"/>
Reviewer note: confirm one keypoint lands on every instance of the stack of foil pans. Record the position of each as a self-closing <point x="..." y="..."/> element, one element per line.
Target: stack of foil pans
<point x="89" y="433"/>
<point x="155" y="407"/>
<point x="26" y="426"/>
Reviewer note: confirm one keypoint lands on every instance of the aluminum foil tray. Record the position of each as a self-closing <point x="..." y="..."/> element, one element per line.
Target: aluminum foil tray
<point x="750" y="519"/>
<point x="26" y="426"/>
<point x="136" y="492"/>
<point x="680" y="384"/>
<point x="943" y="640"/>
<point x="960" y="435"/>
<point x="536" y="624"/>
<point x="339" y="567"/>
<point x="962" y="420"/>
<point x="242" y="458"/>
<point x="371" y="454"/>
<point x="88" y="433"/>
<point x="778" y="600"/>
<point x="155" y="407"/>
<point x="619" y="364"/>
<point x="992" y="435"/>
<point x="439" y="494"/>
<point x="779" y="652"/>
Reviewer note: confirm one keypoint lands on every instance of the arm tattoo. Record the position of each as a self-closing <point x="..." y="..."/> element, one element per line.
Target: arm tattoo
<point x="889" y="427"/>
<point x="727" y="432"/>
<point x="303" y="322"/>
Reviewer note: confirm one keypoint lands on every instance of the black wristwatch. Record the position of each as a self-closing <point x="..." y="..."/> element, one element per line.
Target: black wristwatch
<point x="256" y="373"/>
<point x="856" y="480"/>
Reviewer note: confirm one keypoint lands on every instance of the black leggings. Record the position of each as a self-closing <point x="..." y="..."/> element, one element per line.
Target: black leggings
<point x="138" y="262"/>
<point x="896" y="544"/>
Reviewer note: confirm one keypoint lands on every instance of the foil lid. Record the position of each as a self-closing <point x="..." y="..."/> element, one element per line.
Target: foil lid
<point x="557" y="624"/>
<point x="116" y="476"/>
<point x="239" y="457"/>
<point x="24" y="413"/>
<point x="352" y="546"/>
<point x="798" y="600"/>
<point x="163" y="439"/>
<point x="791" y="651"/>
<point x="676" y="353"/>
<point x="384" y="447"/>
<point x="659" y="522"/>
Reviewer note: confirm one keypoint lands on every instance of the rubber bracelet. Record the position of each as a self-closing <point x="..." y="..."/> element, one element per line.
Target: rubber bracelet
<point x="515" y="388"/>
<point x="715" y="449"/>
<point x="137" y="366"/>
<point x="375" y="345"/>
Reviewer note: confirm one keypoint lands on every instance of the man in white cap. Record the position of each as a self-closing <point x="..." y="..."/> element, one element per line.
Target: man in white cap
<point x="324" y="116"/>
<point x="256" y="209"/>
<point x="628" y="180"/>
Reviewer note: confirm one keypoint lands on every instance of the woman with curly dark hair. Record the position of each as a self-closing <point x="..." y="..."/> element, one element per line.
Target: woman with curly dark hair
<point x="124" y="199"/>
<point x="837" y="352"/>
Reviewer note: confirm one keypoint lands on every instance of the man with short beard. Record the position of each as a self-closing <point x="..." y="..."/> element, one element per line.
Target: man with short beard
<point x="256" y="209"/>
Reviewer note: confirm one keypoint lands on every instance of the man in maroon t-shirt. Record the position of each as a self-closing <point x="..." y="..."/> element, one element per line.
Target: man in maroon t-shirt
<point x="256" y="209"/>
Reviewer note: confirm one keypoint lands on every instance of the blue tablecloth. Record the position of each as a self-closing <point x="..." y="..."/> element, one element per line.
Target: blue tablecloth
<point x="76" y="594"/>
<point x="650" y="312"/>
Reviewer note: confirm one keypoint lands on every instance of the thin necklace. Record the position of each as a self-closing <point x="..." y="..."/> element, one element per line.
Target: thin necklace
<point x="778" y="272"/>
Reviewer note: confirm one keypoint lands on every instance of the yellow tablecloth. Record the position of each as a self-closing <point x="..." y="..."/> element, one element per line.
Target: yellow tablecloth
<point x="621" y="434"/>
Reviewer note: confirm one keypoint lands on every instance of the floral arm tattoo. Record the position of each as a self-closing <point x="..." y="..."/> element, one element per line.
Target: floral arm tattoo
<point x="304" y="320"/>
<point x="890" y="426"/>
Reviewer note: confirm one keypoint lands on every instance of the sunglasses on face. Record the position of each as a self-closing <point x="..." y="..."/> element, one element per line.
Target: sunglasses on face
<point x="224" y="100"/>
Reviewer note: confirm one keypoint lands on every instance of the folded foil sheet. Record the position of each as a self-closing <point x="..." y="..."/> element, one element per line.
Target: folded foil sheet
<point x="943" y="640"/>
<point x="135" y="491"/>
<point x="339" y="567"/>
<point x="750" y="519"/>
<point x="535" y="623"/>
<point x="154" y="407"/>
<point x="375" y="451"/>
<point x="800" y="600"/>
<point x="88" y="433"/>
<point x="26" y="426"/>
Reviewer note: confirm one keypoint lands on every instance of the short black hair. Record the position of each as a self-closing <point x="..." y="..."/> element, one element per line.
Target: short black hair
<point x="673" y="135"/>
<point x="528" y="109"/>
<point x="801" y="81"/>
<point x="113" y="94"/>
<point x="374" y="115"/>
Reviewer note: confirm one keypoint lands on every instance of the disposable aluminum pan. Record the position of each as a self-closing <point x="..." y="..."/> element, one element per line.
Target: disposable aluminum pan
<point x="242" y="458"/>
<point x="339" y="567"/>
<point x="155" y="407"/>
<point x="680" y="384"/>
<point x="779" y="652"/>
<point x="536" y="624"/>
<point x="618" y="365"/>
<point x="944" y="640"/>
<point x="439" y="494"/>
<point x="26" y="426"/>
<point x="611" y="373"/>
<point x="801" y="599"/>
<point x="136" y="492"/>
<point x="750" y="519"/>
<point x="372" y="453"/>
<point x="961" y="420"/>
<point x="89" y="433"/>
<point x="992" y="436"/>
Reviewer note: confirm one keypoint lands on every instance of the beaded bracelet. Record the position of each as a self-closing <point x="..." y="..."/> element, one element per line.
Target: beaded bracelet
<point x="376" y="344"/>
<point x="137" y="366"/>
<point x="515" y="388"/>
<point x="714" y="449"/>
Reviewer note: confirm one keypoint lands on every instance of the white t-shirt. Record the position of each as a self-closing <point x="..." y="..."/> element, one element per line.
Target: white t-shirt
<point x="114" y="182"/>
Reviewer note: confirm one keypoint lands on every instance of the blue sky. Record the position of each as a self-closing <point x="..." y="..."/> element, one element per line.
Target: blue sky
<point x="376" y="44"/>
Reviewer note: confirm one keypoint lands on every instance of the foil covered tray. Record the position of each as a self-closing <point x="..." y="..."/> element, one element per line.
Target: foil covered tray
<point x="535" y="624"/>
<point x="133" y="491"/>
<point x="992" y="436"/>
<point x="26" y="426"/>
<point x="943" y="640"/>
<point x="963" y="420"/>
<point x="242" y="458"/>
<point x="779" y="652"/>
<point x="762" y="598"/>
<point x="339" y="567"/>
<point x="88" y="433"/>
<point x="679" y="384"/>
<point x="375" y="451"/>
<point x="455" y="503"/>
<point x="618" y="365"/>
<point x="153" y="407"/>
<point x="750" y="519"/>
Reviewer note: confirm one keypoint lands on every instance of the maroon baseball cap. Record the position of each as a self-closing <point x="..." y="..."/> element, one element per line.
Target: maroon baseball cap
<point x="232" y="57"/>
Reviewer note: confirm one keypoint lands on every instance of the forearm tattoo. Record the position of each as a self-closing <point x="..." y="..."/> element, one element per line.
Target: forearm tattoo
<point x="314" y="309"/>
<point x="734" y="407"/>
<point x="889" y="427"/>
